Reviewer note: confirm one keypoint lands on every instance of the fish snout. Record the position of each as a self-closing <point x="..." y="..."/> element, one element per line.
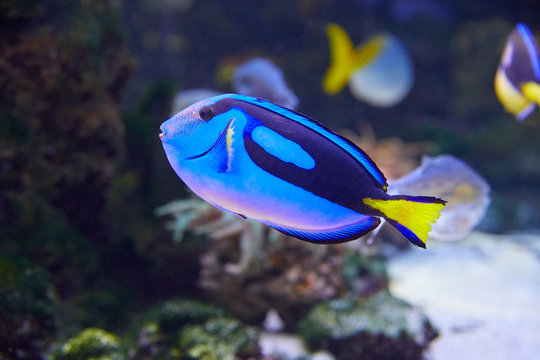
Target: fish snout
<point x="162" y="132"/>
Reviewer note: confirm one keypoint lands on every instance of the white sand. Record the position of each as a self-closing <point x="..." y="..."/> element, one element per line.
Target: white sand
<point x="483" y="294"/>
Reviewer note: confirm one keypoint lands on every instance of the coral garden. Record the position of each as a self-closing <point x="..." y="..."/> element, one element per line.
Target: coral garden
<point x="104" y="254"/>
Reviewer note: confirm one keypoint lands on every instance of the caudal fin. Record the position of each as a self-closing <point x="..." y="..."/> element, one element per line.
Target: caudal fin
<point x="341" y="59"/>
<point x="531" y="91"/>
<point x="411" y="215"/>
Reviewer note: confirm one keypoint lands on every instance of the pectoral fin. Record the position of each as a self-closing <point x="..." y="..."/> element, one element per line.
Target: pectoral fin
<point x="221" y="155"/>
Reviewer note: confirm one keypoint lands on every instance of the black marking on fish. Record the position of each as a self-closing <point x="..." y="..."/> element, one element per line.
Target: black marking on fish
<point x="337" y="176"/>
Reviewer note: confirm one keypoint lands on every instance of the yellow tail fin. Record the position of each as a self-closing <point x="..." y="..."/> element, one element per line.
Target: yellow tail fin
<point x="411" y="215"/>
<point x="344" y="59"/>
<point x="368" y="51"/>
<point x="531" y="91"/>
<point x="341" y="59"/>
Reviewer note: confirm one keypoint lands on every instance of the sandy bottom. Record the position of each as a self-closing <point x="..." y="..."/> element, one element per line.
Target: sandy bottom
<point x="482" y="293"/>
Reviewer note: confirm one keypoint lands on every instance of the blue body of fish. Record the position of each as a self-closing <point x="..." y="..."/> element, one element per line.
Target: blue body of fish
<point x="265" y="162"/>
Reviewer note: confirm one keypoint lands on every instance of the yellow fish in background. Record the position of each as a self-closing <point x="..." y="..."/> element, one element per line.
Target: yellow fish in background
<point x="379" y="72"/>
<point x="518" y="75"/>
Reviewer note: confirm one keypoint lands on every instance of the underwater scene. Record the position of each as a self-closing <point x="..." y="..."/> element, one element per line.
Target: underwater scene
<point x="277" y="180"/>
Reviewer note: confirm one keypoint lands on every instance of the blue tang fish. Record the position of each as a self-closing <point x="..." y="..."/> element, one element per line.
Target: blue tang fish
<point x="517" y="81"/>
<point x="259" y="160"/>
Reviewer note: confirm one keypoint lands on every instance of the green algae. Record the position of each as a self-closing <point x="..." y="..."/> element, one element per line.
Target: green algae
<point x="91" y="344"/>
<point x="28" y="302"/>
<point x="218" y="339"/>
<point x="380" y="326"/>
<point x="174" y="314"/>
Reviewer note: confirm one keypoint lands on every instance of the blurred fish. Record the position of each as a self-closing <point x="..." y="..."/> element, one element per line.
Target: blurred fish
<point x="379" y="72"/>
<point x="465" y="190"/>
<point x="262" y="161"/>
<point x="185" y="98"/>
<point x="518" y="75"/>
<point x="261" y="78"/>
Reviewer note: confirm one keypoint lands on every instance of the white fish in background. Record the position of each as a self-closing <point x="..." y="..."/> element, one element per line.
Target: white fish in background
<point x="466" y="192"/>
<point x="260" y="78"/>
<point x="379" y="72"/>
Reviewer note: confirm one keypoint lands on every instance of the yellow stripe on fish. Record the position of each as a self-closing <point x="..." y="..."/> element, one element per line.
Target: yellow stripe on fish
<point x="229" y="142"/>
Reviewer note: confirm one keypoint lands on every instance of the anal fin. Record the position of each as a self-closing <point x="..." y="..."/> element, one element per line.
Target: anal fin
<point x="332" y="236"/>
<point x="527" y="110"/>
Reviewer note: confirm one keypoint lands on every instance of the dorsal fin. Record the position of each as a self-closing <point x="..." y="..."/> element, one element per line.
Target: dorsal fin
<point x="531" y="46"/>
<point x="353" y="150"/>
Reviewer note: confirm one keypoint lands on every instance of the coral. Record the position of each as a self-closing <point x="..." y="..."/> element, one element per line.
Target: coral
<point x="379" y="327"/>
<point x="393" y="156"/>
<point x="62" y="68"/>
<point x="175" y="314"/>
<point x="205" y="220"/>
<point x="92" y="343"/>
<point x="62" y="133"/>
<point x="218" y="339"/>
<point x="289" y="276"/>
<point x="45" y="237"/>
<point x="186" y="329"/>
<point x="27" y="305"/>
<point x="154" y="333"/>
<point x="267" y="268"/>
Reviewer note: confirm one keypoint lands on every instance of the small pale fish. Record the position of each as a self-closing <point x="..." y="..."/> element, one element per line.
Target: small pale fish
<point x="265" y="162"/>
<point x="517" y="81"/>
<point x="466" y="191"/>
<point x="379" y="73"/>
<point x="259" y="77"/>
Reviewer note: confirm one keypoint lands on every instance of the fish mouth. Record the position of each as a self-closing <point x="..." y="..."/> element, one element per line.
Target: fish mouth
<point x="161" y="132"/>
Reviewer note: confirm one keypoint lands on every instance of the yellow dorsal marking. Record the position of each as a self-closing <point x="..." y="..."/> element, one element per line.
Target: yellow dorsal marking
<point x="531" y="91"/>
<point x="229" y="142"/>
<point x="229" y="136"/>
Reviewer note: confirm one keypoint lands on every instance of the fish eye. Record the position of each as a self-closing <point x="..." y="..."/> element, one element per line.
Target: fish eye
<point x="206" y="113"/>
